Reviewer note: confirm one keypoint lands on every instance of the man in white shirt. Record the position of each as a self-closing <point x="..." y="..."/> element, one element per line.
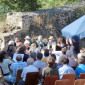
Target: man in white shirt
<point x="66" y="69"/>
<point x="29" y="68"/>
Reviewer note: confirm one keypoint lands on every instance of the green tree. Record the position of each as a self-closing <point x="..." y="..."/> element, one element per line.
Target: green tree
<point x="20" y="5"/>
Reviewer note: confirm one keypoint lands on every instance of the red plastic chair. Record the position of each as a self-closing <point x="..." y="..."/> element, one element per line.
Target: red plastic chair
<point x="18" y="77"/>
<point x="82" y="76"/>
<point x="50" y="79"/>
<point x="71" y="77"/>
<point x="32" y="78"/>
<point x="62" y="82"/>
<point x="79" y="82"/>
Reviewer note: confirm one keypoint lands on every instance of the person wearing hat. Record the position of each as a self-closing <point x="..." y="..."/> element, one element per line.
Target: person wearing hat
<point x="51" y="41"/>
<point x="27" y="39"/>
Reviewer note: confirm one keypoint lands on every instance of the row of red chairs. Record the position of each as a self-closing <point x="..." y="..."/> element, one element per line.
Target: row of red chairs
<point x="67" y="82"/>
<point x="32" y="78"/>
<point x="71" y="78"/>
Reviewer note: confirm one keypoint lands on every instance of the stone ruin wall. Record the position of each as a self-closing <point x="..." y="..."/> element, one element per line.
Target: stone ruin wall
<point x="45" y="22"/>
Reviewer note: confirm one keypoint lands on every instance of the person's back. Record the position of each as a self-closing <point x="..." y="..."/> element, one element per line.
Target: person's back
<point x="17" y="66"/>
<point x="51" y="69"/>
<point x="39" y="63"/>
<point x="46" y="54"/>
<point x="29" y="68"/>
<point x="22" y="50"/>
<point x="14" y="68"/>
<point x="66" y="69"/>
<point x="72" y="61"/>
<point x="5" y="66"/>
<point x="4" y="63"/>
<point x="81" y="66"/>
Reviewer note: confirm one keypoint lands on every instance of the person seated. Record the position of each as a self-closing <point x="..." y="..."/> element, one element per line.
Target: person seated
<point x="66" y="69"/>
<point x="33" y="48"/>
<point x="60" y="44"/>
<point x="27" y="45"/>
<point x="60" y="57"/>
<point x="46" y="54"/>
<point x="50" y="69"/>
<point x="54" y="56"/>
<point x="27" y="39"/>
<point x="11" y="50"/>
<point x="51" y="42"/>
<point x="29" y="68"/>
<point x="11" y="42"/>
<point x="16" y="40"/>
<point x="22" y="51"/>
<point x="39" y="63"/>
<point x="81" y="66"/>
<point x="72" y="61"/>
<point x="19" y="44"/>
<point x="4" y="63"/>
<point x="40" y="43"/>
<point x="14" y="68"/>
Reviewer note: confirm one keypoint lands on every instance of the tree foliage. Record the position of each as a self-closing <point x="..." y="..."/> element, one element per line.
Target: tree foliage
<point x="31" y="5"/>
<point x="21" y="5"/>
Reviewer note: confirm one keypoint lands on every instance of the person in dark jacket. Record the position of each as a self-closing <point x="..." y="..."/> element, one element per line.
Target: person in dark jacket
<point x="22" y="50"/>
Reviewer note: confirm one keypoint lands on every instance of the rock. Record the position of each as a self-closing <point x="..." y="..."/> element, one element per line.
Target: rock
<point x="44" y="22"/>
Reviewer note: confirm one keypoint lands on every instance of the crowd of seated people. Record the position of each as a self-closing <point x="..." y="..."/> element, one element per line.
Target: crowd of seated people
<point x="37" y="56"/>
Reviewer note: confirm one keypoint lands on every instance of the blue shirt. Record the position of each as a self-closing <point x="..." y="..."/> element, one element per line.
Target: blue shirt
<point x="39" y="64"/>
<point x="15" y="67"/>
<point x="66" y="69"/>
<point x="80" y="69"/>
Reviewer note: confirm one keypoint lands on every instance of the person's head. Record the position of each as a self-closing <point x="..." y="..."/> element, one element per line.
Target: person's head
<point x="64" y="50"/>
<point x="12" y="48"/>
<point x="11" y="42"/>
<point x="75" y="39"/>
<point x="50" y="61"/>
<point x="79" y="55"/>
<point x="27" y="44"/>
<point x="54" y="56"/>
<point x="33" y="45"/>
<point x="19" y="44"/>
<point x="22" y="49"/>
<point x="27" y="38"/>
<point x="60" y="40"/>
<point x="39" y="56"/>
<point x="16" y="39"/>
<point x="65" y="60"/>
<point x="19" y="58"/>
<point x="33" y="55"/>
<point x="30" y="61"/>
<point x="51" y="39"/>
<point x="2" y="56"/>
<point x="69" y="53"/>
<point x="40" y="38"/>
<point x="46" y="53"/>
<point x="4" y="53"/>
<point x="81" y="60"/>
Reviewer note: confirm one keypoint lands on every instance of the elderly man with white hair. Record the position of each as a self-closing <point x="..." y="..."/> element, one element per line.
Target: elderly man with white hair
<point x="40" y="43"/>
<point x="29" y="68"/>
